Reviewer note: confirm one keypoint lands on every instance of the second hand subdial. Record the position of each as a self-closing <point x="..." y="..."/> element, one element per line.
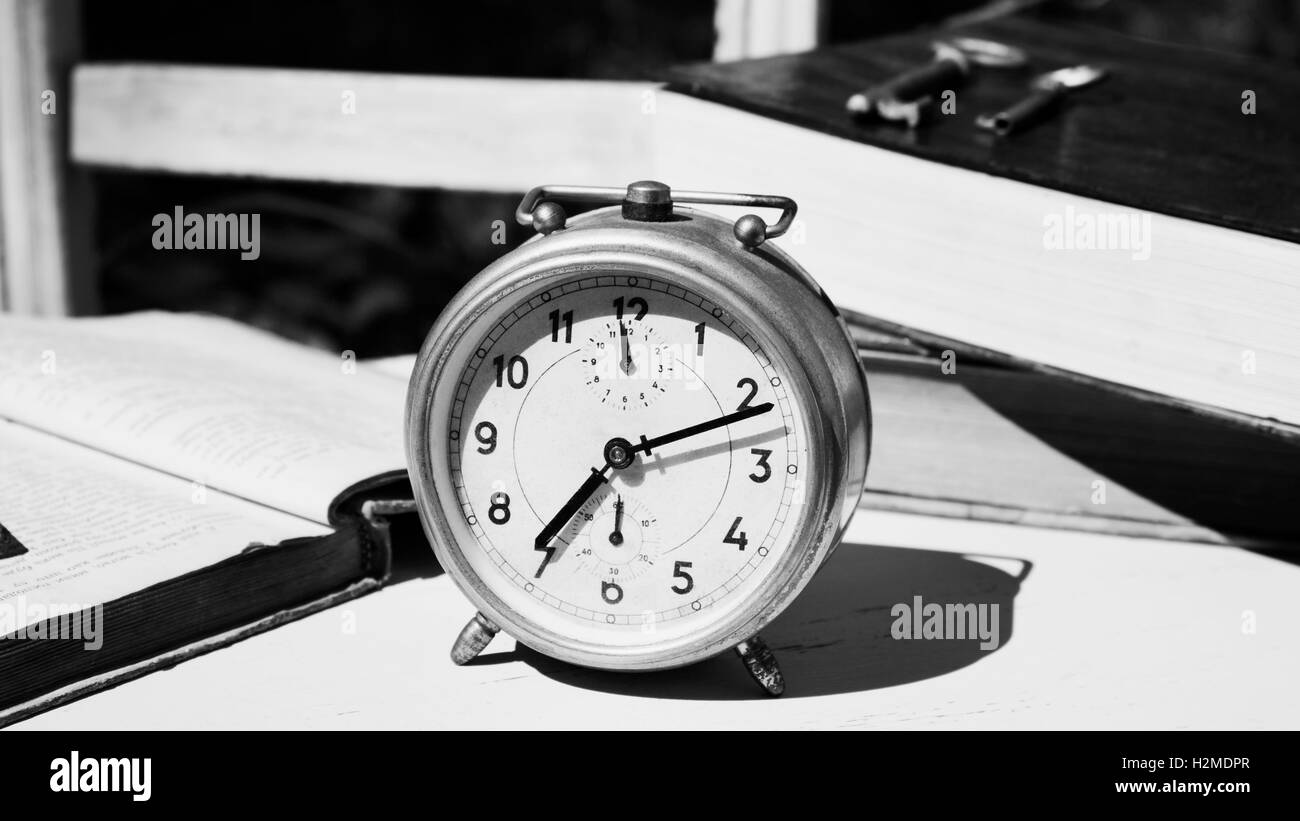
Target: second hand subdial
<point x="592" y="536"/>
<point x="616" y="535"/>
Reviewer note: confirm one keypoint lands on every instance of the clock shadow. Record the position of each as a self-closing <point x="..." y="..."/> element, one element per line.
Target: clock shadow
<point x="837" y="636"/>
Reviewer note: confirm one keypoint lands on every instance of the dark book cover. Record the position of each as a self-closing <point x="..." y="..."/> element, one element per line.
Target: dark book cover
<point x="1167" y="130"/>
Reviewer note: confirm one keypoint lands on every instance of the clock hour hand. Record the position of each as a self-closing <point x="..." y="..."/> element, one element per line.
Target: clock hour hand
<point x="646" y="445"/>
<point x="559" y="520"/>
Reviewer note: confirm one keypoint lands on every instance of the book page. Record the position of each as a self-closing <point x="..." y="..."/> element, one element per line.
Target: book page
<point x="97" y="527"/>
<point x="208" y="400"/>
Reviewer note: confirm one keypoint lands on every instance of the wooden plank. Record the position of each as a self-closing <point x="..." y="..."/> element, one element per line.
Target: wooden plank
<point x="456" y="132"/>
<point x="1003" y="445"/>
<point x="44" y="204"/>
<point x="761" y="28"/>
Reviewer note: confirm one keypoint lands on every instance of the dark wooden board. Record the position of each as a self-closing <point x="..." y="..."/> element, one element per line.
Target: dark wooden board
<point x="1165" y="132"/>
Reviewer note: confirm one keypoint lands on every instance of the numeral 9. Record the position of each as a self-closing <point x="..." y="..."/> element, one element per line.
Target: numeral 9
<point x="486" y="434"/>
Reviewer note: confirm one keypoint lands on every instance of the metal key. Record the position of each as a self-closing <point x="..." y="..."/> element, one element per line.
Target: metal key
<point x="904" y="96"/>
<point x="1048" y="91"/>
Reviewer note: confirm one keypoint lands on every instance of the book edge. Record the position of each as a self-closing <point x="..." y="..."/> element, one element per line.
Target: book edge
<point x="112" y="678"/>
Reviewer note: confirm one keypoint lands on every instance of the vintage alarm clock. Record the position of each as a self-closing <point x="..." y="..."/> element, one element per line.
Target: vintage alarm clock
<point x="634" y="439"/>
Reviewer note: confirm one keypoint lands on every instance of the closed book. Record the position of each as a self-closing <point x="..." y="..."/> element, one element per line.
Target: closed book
<point x="1143" y="237"/>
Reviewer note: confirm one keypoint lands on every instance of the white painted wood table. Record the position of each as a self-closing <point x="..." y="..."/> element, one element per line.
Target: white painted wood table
<point x="1097" y="632"/>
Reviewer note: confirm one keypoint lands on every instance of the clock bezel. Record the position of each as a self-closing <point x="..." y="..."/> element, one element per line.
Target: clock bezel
<point x="690" y="254"/>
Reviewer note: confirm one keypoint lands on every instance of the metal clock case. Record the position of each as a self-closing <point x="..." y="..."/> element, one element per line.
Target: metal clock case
<point x="760" y="303"/>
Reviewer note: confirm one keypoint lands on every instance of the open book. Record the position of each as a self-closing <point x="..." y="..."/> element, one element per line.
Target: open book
<point x="171" y="483"/>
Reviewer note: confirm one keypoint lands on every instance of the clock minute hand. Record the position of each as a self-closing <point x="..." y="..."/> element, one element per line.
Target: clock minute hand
<point x="646" y="445"/>
<point x="619" y="453"/>
<point x="559" y="520"/>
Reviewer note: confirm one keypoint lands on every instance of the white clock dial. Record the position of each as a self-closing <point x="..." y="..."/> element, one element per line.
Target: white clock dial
<point x="671" y="533"/>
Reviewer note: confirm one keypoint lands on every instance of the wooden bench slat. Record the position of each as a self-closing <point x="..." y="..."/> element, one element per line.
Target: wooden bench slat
<point x="486" y="134"/>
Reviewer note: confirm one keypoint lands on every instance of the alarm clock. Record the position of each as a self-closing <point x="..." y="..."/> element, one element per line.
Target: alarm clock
<point x="635" y="438"/>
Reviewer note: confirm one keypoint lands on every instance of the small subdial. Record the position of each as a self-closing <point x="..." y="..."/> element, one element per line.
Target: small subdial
<point x="627" y="364"/>
<point x="614" y="537"/>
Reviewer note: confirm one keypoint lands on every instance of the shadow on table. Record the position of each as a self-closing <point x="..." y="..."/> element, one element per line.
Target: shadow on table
<point x="1228" y="477"/>
<point x="836" y="637"/>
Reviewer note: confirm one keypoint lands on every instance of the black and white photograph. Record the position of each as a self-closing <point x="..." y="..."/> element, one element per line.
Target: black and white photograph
<point x="652" y="365"/>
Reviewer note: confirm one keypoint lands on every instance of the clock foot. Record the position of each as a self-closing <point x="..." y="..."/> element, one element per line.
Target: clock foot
<point x="473" y="638"/>
<point x="762" y="665"/>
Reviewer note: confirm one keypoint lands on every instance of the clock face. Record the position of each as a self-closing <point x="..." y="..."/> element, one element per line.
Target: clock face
<point x="628" y="459"/>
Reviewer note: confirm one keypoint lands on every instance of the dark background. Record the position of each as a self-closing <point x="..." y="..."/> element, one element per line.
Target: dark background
<point x="368" y="268"/>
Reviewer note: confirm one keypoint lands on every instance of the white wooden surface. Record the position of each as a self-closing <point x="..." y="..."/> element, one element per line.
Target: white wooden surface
<point x="1105" y="632"/>
<point x="472" y="133"/>
<point x="761" y="28"/>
